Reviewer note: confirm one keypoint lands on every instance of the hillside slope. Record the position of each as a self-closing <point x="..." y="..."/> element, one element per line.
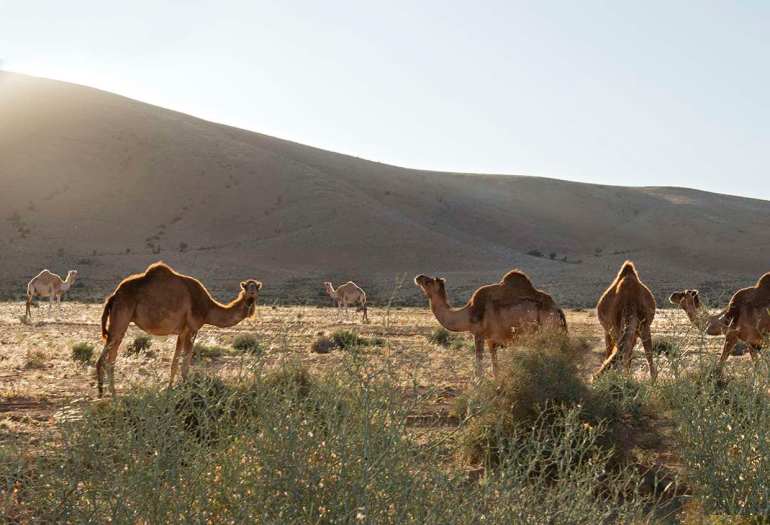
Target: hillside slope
<point x="107" y="184"/>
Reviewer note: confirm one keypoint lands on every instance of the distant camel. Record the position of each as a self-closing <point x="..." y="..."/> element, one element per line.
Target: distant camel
<point x="161" y="301"/>
<point x="625" y="311"/>
<point x="747" y="319"/>
<point x="47" y="284"/>
<point x="701" y="319"/>
<point x="496" y="313"/>
<point x="348" y="294"/>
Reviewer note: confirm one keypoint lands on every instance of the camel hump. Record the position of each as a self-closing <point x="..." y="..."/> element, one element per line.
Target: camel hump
<point x="518" y="282"/>
<point x="627" y="269"/>
<point x="764" y="282"/>
<point x="158" y="268"/>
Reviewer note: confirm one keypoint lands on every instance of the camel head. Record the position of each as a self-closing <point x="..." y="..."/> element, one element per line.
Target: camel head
<point x="687" y="300"/>
<point x="330" y="289"/>
<point x="250" y="293"/>
<point x="431" y="286"/>
<point x="71" y="276"/>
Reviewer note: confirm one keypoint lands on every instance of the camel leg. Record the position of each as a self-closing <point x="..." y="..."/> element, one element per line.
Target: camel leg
<point x="479" y="342"/>
<point x="493" y="354"/>
<point x="29" y="304"/>
<point x="609" y="362"/>
<point x="647" y="343"/>
<point x="609" y="344"/>
<point x="180" y="344"/>
<point x="188" y="352"/>
<point x="107" y="360"/>
<point x="730" y="339"/>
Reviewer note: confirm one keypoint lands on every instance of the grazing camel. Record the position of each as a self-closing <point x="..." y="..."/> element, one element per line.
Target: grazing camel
<point x="495" y="313"/>
<point x="347" y="294"/>
<point x="48" y="284"/>
<point x="701" y="319"/>
<point x="625" y="311"/>
<point x="161" y="301"/>
<point x="747" y="319"/>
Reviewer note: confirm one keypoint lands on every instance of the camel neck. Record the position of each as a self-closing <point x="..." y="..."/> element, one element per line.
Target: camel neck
<point x="453" y="319"/>
<point x="227" y="315"/>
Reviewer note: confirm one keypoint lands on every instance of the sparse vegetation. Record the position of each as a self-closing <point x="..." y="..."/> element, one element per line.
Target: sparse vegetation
<point x="82" y="353"/>
<point x="248" y="343"/>
<point x="141" y="344"/>
<point x="441" y="337"/>
<point x="35" y="360"/>
<point x="208" y="350"/>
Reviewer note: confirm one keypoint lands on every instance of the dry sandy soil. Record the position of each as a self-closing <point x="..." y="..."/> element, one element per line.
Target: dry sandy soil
<point x="104" y="184"/>
<point x="40" y="384"/>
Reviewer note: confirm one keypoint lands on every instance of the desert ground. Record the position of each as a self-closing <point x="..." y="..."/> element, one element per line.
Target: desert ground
<point x="40" y="383"/>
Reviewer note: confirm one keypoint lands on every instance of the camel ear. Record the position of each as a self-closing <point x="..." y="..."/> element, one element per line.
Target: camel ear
<point x="259" y="285"/>
<point x="441" y="280"/>
<point x="243" y="284"/>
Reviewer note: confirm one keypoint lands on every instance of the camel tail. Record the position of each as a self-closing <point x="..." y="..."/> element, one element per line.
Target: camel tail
<point x="106" y="315"/>
<point x="563" y="319"/>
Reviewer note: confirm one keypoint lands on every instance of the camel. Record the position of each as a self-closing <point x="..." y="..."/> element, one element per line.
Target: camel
<point x="747" y="318"/>
<point x="347" y="294"/>
<point x="496" y="313"/>
<point x="625" y="311"/>
<point x="161" y="301"/>
<point x="701" y="319"/>
<point x="51" y="285"/>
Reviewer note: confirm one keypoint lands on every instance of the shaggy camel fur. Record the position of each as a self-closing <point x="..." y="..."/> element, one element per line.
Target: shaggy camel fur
<point x="747" y="319"/>
<point x="47" y="284"/>
<point x="625" y="311"/>
<point x="496" y="313"/>
<point x="701" y="319"/>
<point x="347" y="294"/>
<point x="161" y="301"/>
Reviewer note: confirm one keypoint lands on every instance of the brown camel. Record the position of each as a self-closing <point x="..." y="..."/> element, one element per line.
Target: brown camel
<point x="161" y="301"/>
<point x="496" y="313"/>
<point x="51" y="285"/>
<point x="625" y="311"/>
<point x="701" y="319"/>
<point x="747" y="319"/>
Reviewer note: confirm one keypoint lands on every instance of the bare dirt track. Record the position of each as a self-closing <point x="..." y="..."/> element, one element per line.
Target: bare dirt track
<point x="40" y="383"/>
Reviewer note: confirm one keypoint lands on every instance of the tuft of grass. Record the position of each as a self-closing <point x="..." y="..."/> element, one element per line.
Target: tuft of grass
<point x="441" y="337"/>
<point x="140" y="344"/>
<point x="82" y="352"/>
<point x="203" y="350"/>
<point x="35" y="360"/>
<point x="348" y="340"/>
<point x="666" y="346"/>
<point x="248" y="343"/>
<point x="322" y="345"/>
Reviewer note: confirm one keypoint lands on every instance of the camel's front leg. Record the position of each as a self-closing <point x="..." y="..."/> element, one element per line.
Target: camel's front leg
<point x="730" y="339"/>
<point x="479" y="342"/>
<point x="188" y="352"/>
<point x="609" y="344"/>
<point x="493" y="354"/>
<point x="180" y="343"/>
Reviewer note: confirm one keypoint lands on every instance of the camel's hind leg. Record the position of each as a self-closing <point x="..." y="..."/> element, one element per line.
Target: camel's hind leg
<point x="648" y="353"/>
<point x="609" y="343"/>
<point x="479" y="342"/>
<point x="180" y="346"/>
<point x="29" y="305"/>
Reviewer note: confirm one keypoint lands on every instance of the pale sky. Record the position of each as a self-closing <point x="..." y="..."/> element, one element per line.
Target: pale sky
<point x="631" y="93"/>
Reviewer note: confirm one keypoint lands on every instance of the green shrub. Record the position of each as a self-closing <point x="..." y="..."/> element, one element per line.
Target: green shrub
<point x="140" y="344"/>
<point x="248" y="343"/>
<point x="82" y="353"/>
<point x="539" y="375"/>
<point x="666" y="346"/>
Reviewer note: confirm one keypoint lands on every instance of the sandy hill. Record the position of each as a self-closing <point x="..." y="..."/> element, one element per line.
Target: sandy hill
<point x="105" y="184"/>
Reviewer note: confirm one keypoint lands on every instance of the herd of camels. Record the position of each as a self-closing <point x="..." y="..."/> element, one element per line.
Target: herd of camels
<point x="161" y="301"/>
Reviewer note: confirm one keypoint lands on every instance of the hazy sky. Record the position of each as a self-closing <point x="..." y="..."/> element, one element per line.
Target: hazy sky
<point x="632" y="93"/>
